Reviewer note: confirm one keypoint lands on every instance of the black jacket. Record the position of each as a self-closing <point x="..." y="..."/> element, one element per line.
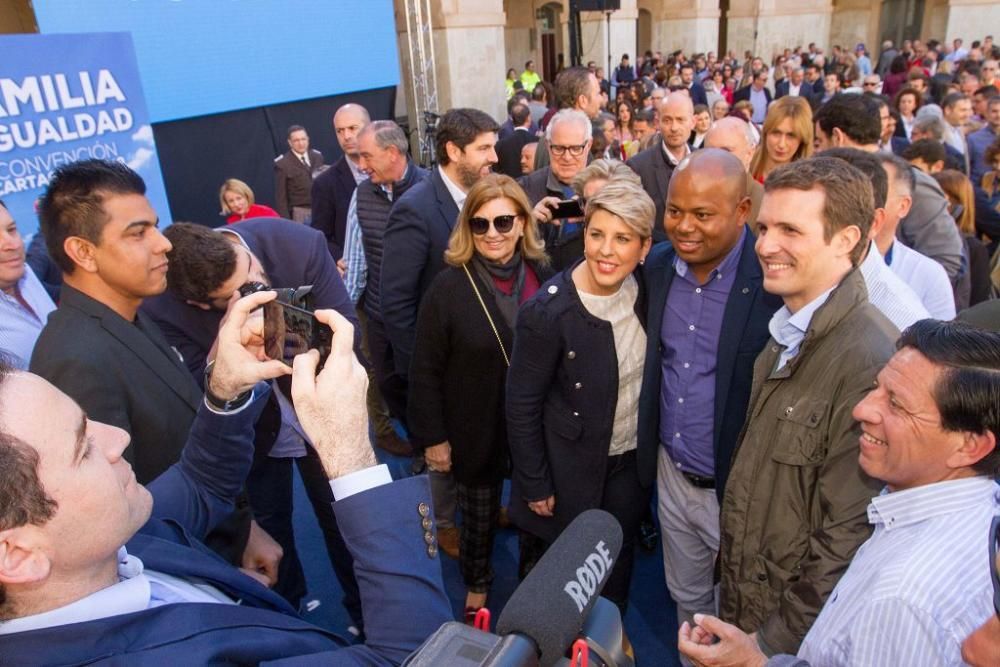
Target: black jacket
<point x="457" y="376"/>
<point x="331" y="197"/>
<point x="562" y="390"/>
<point x="655" y="171"/>
<point x="509" y="151"/>
<point x="744" y="333"/>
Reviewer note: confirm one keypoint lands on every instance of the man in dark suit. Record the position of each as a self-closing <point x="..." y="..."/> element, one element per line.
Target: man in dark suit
<point x="655" y="164"/>
<point x="98" y="568"/>
<point x="293" y="176"/>
<point x="756" y="94"/>
<point x="332" y="190"/>
<point x="416" y="236"/>
<point x="509" y="148"/>
<point x="206" y="268"/>
<point x="100" y="350"/>
<point x="795" y="85"/>
<point x="708" y="318"/>
<point x="697" y="90"/>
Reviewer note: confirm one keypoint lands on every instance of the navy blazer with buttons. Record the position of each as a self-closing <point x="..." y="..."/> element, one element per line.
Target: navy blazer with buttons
<point x="744" y="334"/>
<point x="416" y="236"/>
<point x="400" y="577"/>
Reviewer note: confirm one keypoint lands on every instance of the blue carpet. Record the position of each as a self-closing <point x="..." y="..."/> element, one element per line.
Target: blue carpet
<point x="651" y="621"/>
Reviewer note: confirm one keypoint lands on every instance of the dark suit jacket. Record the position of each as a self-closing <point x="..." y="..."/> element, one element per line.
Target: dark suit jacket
<point x="292" y="255"/>
<point x="654" y="170"/>
<point x="293" y="181"/>
<point x="121" y="373"/>
<point x="509" y="152"/>
<point x="744" y="94"/>
<point x="744" y="333"/>
<point x="331" y="197"/>
<point x="381" y="527"/>
<point x="698" y="95"/>
<point x="805" y="90"/>
<point x="416" y="237"/>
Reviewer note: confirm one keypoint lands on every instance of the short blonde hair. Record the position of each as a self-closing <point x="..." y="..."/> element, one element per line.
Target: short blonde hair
<point x="461" y="247"/>
<point x="603" y="169"/>
<point x="237" y="186"/>
<point x="626" y="200"/>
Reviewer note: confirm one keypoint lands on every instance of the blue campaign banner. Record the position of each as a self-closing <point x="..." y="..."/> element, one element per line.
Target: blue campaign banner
<point x="65" y="98"/>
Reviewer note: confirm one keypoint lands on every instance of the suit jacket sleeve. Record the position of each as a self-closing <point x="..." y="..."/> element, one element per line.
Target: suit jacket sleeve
<point x="533" y="365"/>
<point x="324" y="210"/>
<point x="281" y="191"/>
<point x="843" y="493"/>
<point x="198" y="491"/>
<point x="929" y="229"/>
<point x="406" y="247"/>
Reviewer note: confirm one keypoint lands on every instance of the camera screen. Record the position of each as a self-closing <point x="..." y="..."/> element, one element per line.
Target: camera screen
<point x="289" y="331"/>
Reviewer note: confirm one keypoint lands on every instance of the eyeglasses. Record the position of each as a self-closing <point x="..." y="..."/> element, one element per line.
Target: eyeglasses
<point x="575" y="151"/>
<point x="994" y="547"/>
<point x="501" y="223"/>
<point x="871" y="83"/>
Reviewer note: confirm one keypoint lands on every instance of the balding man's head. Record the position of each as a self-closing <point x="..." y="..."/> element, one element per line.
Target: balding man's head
<point x="349" y="120"/>
<point x="707" y="208"/>
<point x="676" y="120"/>
<point x="733" y="135"/>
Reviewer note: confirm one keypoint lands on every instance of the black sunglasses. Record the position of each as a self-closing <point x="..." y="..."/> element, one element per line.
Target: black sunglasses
<point x="994" y="547"/>
<point x="502" y="223"/>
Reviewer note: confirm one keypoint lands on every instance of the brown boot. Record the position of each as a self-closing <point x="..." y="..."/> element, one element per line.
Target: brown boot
<point x="448" y="541"/>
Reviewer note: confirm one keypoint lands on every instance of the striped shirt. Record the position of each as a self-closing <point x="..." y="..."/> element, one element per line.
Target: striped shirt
<point x="918" y="586"/>
<point x="21" y="326"/>
<point x="887" y="291"/>
<point x="356" y="276"/>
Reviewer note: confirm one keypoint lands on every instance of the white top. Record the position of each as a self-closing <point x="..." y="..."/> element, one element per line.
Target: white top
<point x="928" y="280"/>
<point x="456" y="192"/>
<point x="630" y="347"/>
<point x="918" y="586"/>
<point x="891" y="295"/>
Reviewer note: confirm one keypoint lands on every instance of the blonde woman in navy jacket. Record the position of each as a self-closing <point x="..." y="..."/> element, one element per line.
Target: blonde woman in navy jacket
<point x="573" y="385"/>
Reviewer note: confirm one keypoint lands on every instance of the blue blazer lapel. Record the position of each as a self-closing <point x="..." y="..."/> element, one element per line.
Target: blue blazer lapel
<point x="446" y="203"/>
<point x="734" y="321"/>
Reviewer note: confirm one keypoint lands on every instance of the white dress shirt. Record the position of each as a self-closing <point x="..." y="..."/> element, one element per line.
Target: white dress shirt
<point x="456" y="192"/>
<point x="927" y="279"/>
<point x="789" y="329"/>
<point x="918" y="586"/>
<point x="887" y="292"/>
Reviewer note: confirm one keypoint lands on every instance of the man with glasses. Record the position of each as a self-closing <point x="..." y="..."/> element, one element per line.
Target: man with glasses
<point x="568" y="138"/>
<point x="873" y="84"/>
<point x="920" y="583"/>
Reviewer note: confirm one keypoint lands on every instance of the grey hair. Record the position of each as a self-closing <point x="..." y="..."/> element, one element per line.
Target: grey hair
<point x="932" y="125"/>
<point x="387" y="133"/>
<point x="626" y="200"/>
<point x="606" y="170"/>
<point x="569" y="115"/>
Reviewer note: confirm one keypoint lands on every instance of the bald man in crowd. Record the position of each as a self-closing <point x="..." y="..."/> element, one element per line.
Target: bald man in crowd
<point x="734" y="135"/>
<point x="708" y="318"/>
<point x="655" y="164"/>
<point x="332" y="190"/>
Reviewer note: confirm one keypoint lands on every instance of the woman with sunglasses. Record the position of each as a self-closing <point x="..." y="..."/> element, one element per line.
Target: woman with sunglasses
<point x="464" y="335"/>
<point x="573" y="385"/>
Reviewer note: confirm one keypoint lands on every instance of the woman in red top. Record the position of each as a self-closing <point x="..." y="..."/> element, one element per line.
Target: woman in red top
<point x="237" y="202"/>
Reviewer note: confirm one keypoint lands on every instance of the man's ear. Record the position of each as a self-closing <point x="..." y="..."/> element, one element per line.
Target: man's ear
<point x="975" y="447"/>
<point x="454" y="152"/>
<point x="81" y="252"/>
<point x="848" y="239"/>
<point x="198" y="304"/>
<point x="838" y="138"/>
<point x="877" y="223"/>
<point x="22" y="560"/>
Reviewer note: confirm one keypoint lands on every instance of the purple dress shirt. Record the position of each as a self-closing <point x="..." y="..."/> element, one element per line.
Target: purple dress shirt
<point x="689" y="337"/>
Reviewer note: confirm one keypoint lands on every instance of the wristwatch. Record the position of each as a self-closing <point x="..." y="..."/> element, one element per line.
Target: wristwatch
<point x="219" y="404"/>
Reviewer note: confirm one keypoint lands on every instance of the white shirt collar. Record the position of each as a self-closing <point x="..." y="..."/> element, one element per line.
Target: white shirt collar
<point x="670" y="156"/>
<point x="456" y="192"/>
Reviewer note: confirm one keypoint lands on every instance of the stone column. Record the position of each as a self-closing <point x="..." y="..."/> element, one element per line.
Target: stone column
<point x="856" y="21"/>
<point x="779" y="23"/>
<point x="692" y="25"/>
<point x="971" y="20"/>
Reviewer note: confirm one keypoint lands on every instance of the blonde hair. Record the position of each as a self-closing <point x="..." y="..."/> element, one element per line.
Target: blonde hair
<point x="237" y="186"/>
<point x="461" y="246"/>
<point x="800" y="113"/>
<point x="625" y="199"/>
<point x="603" y="169"/>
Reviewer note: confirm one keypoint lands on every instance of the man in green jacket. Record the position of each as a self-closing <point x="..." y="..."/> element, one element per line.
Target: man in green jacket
<point x="529" y="77"/>
<point x="793" y="513"/>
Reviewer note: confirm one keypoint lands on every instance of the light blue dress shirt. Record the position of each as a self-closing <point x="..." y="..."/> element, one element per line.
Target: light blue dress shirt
<point x="20" y="326"/>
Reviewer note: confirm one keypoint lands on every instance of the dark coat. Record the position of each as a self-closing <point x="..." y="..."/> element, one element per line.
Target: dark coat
<point x="416" y="237"/>
<point x="744" y="333"/>
<point x="806" y="91"/>
<point x="331" y="197"/>
<point x="509" y="152"/>
<point x="562" y="390"/>
<point x="698" y="95"/>
<point x="293" y="181"/>
<point x="655" y="171"/>
<point x="381" y="527"/>
<point x="457" y="376"/>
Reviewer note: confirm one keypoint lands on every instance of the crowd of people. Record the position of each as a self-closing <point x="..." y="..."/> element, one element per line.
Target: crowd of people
<point x="755" y="304"/>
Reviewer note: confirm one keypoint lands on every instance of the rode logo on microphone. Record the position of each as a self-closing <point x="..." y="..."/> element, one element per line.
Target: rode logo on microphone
<point x="589" y="576"/>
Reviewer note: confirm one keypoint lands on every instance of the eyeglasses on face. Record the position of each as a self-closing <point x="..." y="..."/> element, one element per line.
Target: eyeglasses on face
<point x="575" y="151"/>
<point x="501" y="223"/>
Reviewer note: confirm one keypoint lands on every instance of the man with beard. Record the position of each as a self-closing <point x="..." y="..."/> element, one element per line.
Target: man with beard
<point x="416" y="236"/>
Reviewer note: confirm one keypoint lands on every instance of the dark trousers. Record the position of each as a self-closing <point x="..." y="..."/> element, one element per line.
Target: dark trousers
<point x="269" y="487"/>
<point x="391" y="384"/>
<point x="480" y="507"/>
<point x="625" y="499"/>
